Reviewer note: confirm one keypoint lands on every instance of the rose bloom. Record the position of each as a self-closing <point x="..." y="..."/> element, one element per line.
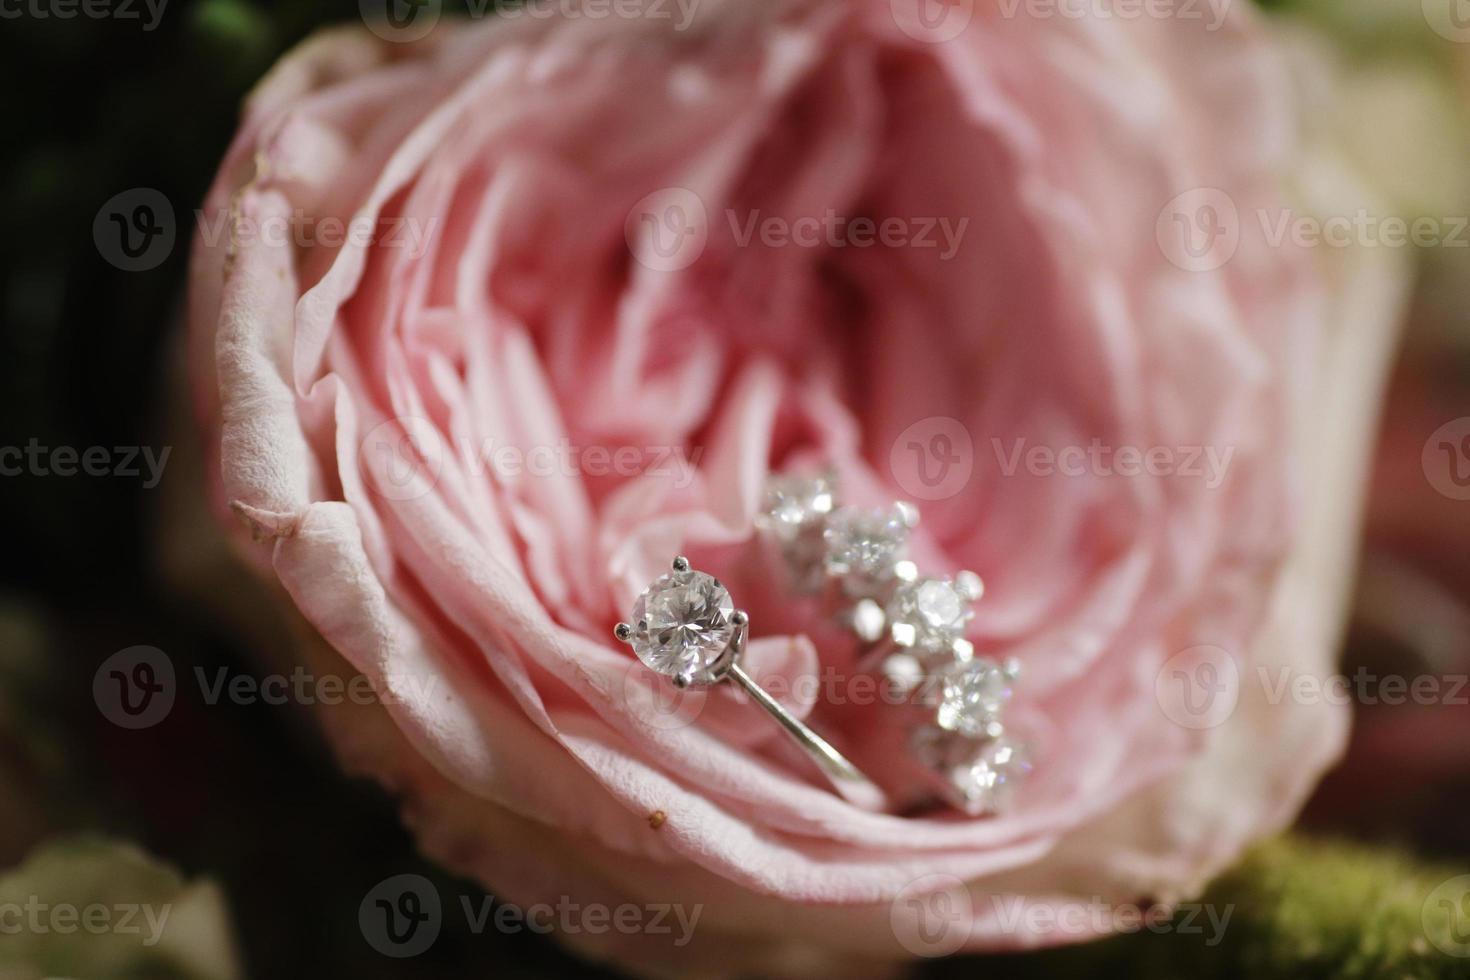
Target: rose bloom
<point x="587" y="232"/>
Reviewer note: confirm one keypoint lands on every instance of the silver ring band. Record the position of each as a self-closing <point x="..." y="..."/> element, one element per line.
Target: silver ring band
<point x="686" y="628"/>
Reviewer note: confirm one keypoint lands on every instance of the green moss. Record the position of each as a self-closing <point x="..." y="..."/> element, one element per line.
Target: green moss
<point x="1297" y="909"/>
<point x="1307" y="909"/>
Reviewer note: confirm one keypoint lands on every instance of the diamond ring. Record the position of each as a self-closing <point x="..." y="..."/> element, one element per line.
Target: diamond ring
<point x="686" y="627"/>
<point x="911" y="632"/>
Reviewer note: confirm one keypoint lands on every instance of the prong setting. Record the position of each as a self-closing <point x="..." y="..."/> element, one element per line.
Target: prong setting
<point x="681" y="564"/>
<point x="624" y="632"/>
<point x="911" y="626"/>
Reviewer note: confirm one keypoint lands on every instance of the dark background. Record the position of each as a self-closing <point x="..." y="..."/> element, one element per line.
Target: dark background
<point x="248" y="794"/>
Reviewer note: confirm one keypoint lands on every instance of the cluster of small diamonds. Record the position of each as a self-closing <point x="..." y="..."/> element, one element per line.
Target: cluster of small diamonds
<point x="914" y="624"/>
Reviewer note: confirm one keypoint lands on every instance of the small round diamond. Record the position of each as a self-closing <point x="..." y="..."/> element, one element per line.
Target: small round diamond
<point x="682" y="624"/>
<point x="794" y="502"/>
<point x="987" y="782"/>
<point x="971" y="697"/>
<point x="864" y="545"/>
<point x="929" y="613"/>
<point x="792" y="517"/>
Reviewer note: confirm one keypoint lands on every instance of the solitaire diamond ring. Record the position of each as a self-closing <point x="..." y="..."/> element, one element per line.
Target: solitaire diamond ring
<point x="686" y="627"/>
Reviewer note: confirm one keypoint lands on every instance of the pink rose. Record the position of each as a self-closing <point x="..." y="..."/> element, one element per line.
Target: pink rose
<point x="636" y="235"/>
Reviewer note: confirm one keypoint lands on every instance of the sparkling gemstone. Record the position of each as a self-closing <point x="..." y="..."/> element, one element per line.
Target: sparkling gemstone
<point x="929" y="613"/>
<point x="864" y="545"/>
<point x="792" y="518"/>
<point x="987" y="782"/>
<point x="971" y="697"/>
<point x="681" y="624"/>
<point x="794" y="502"/>
<point x="868" y="620"/>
